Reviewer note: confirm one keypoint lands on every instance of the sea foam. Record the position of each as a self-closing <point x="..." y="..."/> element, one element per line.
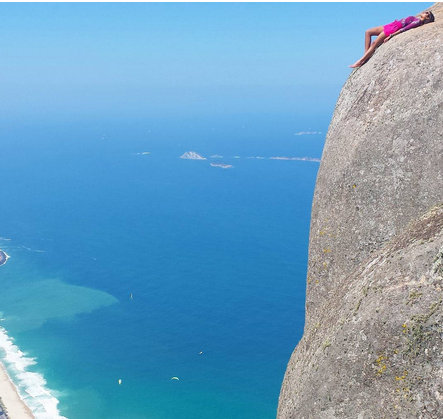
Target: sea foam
<point x="31" y="385"/>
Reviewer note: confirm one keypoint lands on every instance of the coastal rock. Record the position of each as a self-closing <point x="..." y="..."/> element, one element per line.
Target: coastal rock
<point x="192" y="155"/>
<point x="3" y="258"/>
<point x="372" y="344"/>
<point x="3" y="414"/>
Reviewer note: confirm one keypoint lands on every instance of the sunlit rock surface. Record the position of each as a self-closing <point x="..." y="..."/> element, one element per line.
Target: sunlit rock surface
<point x="372" y="345"/>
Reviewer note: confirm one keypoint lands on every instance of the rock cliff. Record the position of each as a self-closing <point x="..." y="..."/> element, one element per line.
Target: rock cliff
<point x="373" y="339"/>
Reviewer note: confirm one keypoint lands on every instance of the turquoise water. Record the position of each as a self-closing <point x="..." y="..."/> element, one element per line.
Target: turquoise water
<point x="215" y="261"/>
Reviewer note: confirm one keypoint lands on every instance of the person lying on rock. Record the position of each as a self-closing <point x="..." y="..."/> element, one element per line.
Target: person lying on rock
<point x="386" y="32"/>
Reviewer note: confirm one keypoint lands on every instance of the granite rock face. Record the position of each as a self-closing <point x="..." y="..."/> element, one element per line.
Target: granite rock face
<point x="372" y="345"/>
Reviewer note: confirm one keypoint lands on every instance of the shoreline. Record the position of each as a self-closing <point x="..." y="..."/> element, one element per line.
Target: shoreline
<point x="15" y="407"/>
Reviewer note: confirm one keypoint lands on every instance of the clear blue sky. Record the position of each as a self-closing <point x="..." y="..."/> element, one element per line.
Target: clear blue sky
<point x="129" y="60"/>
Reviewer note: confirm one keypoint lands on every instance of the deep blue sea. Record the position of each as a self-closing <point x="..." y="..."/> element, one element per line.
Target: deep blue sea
<point x="215" y="260"/>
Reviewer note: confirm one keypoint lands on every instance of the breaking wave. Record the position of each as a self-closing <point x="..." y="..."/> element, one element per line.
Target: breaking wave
<point x="31" y="385"/>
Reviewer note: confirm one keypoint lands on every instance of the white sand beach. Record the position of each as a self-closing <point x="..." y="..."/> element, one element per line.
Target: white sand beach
<point x="15" y="406"/>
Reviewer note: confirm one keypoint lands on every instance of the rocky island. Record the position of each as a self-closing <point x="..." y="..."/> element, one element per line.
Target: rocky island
<point x="222" y="165"/>
<point x="373" y="338"/>
<point x="308" y="133"/>
<point x="3" y="257"/>
<point x="295" y="158"/>
<point x="192" y="155"/>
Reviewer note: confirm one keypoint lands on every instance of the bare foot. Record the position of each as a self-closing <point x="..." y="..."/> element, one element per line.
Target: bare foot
<point x="357" y="64"/>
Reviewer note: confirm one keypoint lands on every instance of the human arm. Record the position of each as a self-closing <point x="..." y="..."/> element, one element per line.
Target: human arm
<point x="408" y="23"/>
<point x="392" y="35"/>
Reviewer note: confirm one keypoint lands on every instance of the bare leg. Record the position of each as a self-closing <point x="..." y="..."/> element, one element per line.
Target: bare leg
<point x="370" y="51"/>
<point x="370" y="33"/>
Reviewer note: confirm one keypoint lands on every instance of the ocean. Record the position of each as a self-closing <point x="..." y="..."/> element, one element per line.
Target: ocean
<point x="144" y="267"/>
